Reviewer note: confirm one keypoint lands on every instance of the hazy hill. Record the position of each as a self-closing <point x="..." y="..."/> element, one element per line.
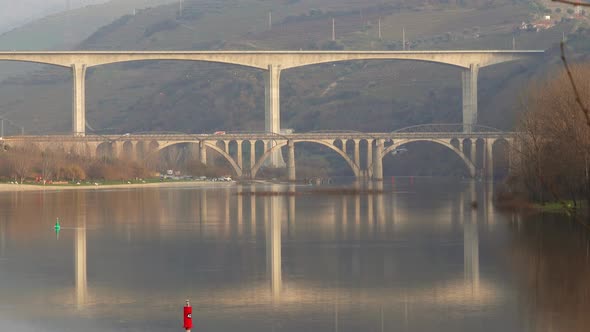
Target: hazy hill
<point x="61" y="30"/>
<point x="202" y="97"/>
<point x="16" y="13"/>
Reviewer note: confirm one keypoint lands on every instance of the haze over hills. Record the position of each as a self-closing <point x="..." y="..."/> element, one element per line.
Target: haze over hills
<point x="367" y="96"/>
<point x="65" y="29"/>
<point x="15" y="13"/>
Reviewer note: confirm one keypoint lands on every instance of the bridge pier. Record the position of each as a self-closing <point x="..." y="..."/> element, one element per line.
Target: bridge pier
<point x="378" y="160"/>
<point x="202" y="153"/>
<point x="291" y="161"/>
<point x="272" y="115"/>
<point x="357" y="155"/>
<point x="252" y="154"/>
<point x="117" y="149"/>
<point x="469" y="79"/>
<point x="239" y="156"/>
<point x="473" y="152"/>
<point x="489" y="159"/>
<point x="79" y="99"/>
<point x="369" y="162"/>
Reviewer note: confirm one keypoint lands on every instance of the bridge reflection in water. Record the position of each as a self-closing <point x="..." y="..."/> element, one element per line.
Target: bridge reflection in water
<point x="358" y="225"/>
<point x="279" y="218"/>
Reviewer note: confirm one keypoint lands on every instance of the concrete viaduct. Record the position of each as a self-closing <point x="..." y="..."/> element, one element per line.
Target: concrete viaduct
<point x="273" y="62"/>
<point x="363" y="152"/>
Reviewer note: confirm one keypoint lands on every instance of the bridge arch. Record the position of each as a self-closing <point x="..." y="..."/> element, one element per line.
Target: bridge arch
<point x="212" y="145"/>
<point x="398" y="143"/>
<point x="355" y="168"/>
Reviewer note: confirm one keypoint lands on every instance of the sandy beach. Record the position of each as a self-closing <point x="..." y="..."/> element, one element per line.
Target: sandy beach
<point x="6" y="187"/>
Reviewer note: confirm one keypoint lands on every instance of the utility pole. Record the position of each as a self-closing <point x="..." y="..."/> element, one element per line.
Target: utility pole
<point x="333" y="29"/>
<point x="404" y="37"/>
<point x="513" y="42"/>
<point x="2" y="129"/>
<point x="180" y="7"/>
<point x="270" y="20"/>
<point x="380" y="37"/>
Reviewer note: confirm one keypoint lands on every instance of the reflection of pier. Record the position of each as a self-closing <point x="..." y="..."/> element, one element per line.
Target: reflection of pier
<point x="384" y="211"/>
<point x="80" y="254"/>
<point x="273" y="243"/>
<point x="80" y="263"/>
<point x="375" y="210"/>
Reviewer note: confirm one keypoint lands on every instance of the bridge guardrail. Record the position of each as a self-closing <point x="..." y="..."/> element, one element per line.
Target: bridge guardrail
<point x="229" y="137"/>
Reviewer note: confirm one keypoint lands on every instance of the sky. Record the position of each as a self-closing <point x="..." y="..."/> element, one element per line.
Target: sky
<point x="14" y="13"/>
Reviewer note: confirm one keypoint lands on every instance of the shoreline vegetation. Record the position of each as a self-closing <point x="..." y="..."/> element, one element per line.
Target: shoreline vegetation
<point x="550" y="169"/>
<point x="11" y="187"/>
<point x="521" y="203"/>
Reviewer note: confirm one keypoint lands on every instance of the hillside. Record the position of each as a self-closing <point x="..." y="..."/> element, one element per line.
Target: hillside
<point x="63" y="30"/>
<point x="66" y="29"/>
<point x="17" y="13"/>
<point x="202" y="97"/>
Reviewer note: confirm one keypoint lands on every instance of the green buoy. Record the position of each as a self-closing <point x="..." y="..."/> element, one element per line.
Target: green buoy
<point x="57" y="225"/>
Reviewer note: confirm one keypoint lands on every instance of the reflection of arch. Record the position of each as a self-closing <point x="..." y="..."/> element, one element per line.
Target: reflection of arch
<point x="210" y="145"/>
<point x="260" y="162"/>
<point x="398" y="143"/>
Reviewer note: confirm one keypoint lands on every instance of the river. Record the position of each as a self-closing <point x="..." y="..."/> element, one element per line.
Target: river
<point x="416" y="257"/>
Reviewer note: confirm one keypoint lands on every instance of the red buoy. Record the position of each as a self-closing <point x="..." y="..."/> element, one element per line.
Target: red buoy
<point x="188" y="316"/>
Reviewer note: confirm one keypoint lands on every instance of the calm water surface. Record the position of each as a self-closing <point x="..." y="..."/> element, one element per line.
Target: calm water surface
<point x="415" y="258"/>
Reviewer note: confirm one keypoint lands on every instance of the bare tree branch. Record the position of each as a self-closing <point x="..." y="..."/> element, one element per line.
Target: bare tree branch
<point x="573" y="83"/>
<point x="574" y="3"/>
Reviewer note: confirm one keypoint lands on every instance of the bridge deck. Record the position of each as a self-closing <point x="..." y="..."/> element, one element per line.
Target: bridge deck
<point x="256" y="136"/>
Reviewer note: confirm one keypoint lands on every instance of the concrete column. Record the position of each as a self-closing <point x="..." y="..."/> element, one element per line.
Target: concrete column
<point x="90" y="149"/>
<point x="252" y="154"/>
<point x="469" y="78"/>
<point x="239" y="157"/>
<point x="131" y="154"/>
<point x="193" y="151"/>
<point x="78" y="99"/>
<point x="291" y="161"/>
<point x="378" y="161"/>
<point x="272" y="115"/>
<point x="489" y="160"/>
<point x="473" y="153"/>
<point x="226" y="146"/>
<point x="369" y="157"/>
<point x="357" y="155"/>
<point x="202" y="153"/>
<point x="117" y="149"/>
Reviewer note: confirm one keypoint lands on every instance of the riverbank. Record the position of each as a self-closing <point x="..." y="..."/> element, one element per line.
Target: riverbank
<point x="511" y="202"/>
<point x="7" y="187"/>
